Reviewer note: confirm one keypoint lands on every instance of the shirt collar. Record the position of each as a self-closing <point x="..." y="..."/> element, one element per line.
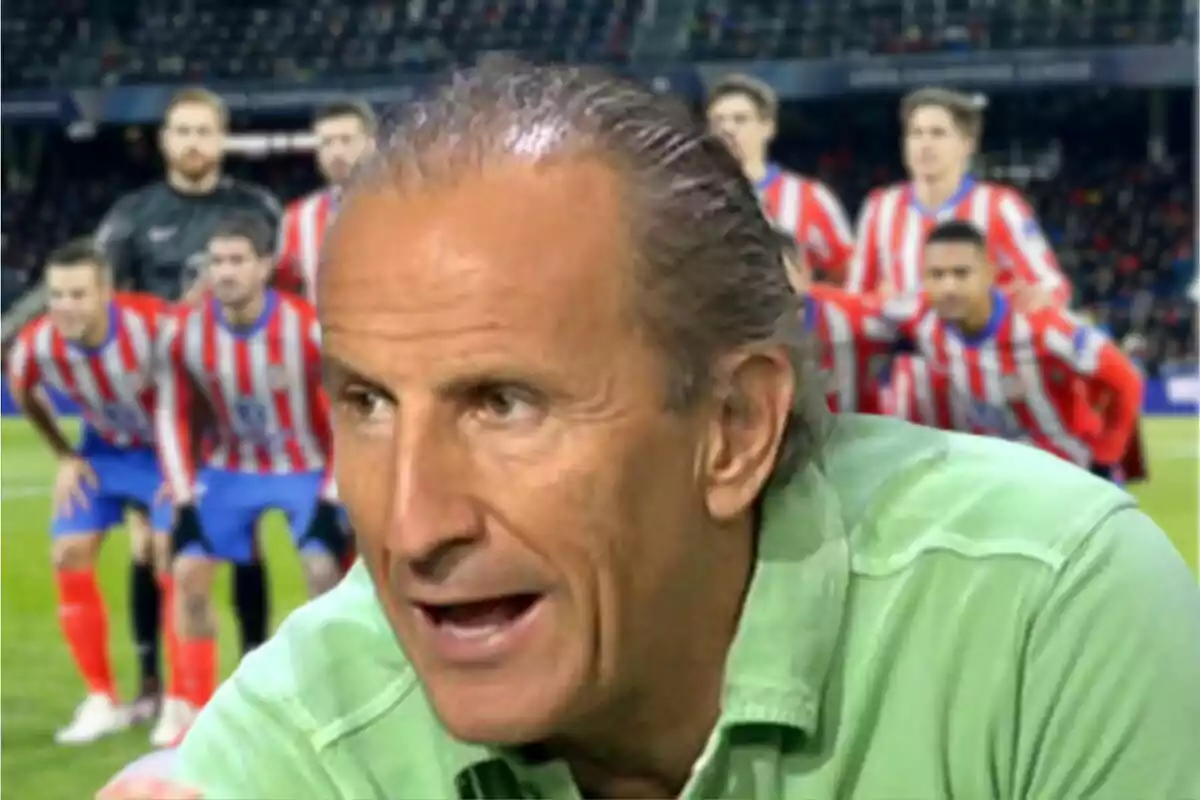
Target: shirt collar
<point x="797" y="595"/>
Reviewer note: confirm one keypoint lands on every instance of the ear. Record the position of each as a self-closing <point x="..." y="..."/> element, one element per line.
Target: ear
<point x="746" y="430"/>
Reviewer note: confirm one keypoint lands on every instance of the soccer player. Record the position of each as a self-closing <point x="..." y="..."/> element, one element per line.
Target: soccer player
<point x="1030" y="376"/>
<point x="345" y="133"/>
<point x="853" y="347"/>
<point x="742" y="111"/>
<point x="254" y="354"/>
<point x="155" y="239"/>
<point x="941" y="132"/>
<point x="97" y="348"/>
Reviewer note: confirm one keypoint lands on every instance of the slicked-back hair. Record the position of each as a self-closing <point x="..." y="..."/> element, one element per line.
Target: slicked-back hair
<point x="707" y="272"/>
<point x="957" y="231"/>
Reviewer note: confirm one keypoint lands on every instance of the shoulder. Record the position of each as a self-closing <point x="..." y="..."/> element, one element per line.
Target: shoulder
<point x="914" y="495"/>
<point x="888" y="194"/>
<point x="253" y="195"/>
<point x="30" y="330"/>
<point x="297" y="305"/>
<point x="334" y="665"/>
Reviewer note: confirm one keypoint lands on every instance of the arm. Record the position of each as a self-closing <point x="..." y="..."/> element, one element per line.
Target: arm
<point x="173" y="415"/>
<point x="114" y="238"/>
<point x="24" y="382"/>
<point x="287" y="272"/>
<point x="1109" y="376"/>
<point x="830" y="232"/>
<point x="242" y="747"/>
<point x="1024" y="251"/>
<point x="863" y="273"/>
<point x="1110" y="700"/>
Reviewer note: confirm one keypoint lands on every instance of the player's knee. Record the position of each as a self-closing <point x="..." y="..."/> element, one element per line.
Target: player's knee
<point x="75" y="552"/>
<point x="160" y="550"/>
<point x="321" y="571"/>
<point x="141" y="536"/>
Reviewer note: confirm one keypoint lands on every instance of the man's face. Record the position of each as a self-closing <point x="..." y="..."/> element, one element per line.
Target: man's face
<point x="934" y="147"/>
<point x="238" y="274"/>
<point x="957" y="279"/>
<point x="341" y="142"/>
<point x="737" y="120"/>
<point x="526" y="504"/>
<point x="193" y="140"/>
<point x="79" y="298"/>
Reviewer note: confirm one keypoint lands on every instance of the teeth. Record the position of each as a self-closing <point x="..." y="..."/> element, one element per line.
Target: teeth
<point x="473" y="632"/>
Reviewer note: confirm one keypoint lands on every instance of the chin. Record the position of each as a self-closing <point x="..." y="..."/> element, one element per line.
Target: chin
<point x="497" y="710"/>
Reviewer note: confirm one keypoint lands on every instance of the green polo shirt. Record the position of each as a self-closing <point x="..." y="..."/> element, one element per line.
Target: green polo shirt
<point x="932" y="615"/>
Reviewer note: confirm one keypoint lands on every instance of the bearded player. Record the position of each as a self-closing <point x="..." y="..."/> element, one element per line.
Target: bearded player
<point x="992" y="368"/>
<point x="96" y="348"/>
<point x="743" y="111"/>
<point x="345" y="133"/>
<point x="254" y="355"/>
<point x="155" y="239"/>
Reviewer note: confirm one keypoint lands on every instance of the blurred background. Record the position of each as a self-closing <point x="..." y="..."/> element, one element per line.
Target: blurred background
<point x="1090" y="112"/>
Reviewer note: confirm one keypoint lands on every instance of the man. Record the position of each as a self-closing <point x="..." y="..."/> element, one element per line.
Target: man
<point x="743" y="111"/>
<point x="995" y="370"/>
<point x="345" y="133"/>
<point x="941" y="133"/>
<point x="254" y="355"/>
<point x="854" y="346"/>
<point x="155" y="239"/>
<point x="609" y="551"/>
<point x="96" y="348"/>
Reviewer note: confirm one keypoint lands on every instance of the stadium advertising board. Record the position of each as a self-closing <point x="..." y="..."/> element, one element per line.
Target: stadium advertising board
<point x="1155" y="65"/>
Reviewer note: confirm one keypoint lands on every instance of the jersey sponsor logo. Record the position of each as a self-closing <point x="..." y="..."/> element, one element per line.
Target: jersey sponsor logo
<point x="277" y="376"/>
<point x="161" y="234"/>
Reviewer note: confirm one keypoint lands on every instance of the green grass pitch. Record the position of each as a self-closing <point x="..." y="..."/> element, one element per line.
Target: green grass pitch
<point x="39" y="687"/>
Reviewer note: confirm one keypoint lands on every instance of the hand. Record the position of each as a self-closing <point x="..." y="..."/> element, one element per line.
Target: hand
<point x="1029" y="297"/>
<point x="146" y="788"/>
<point x="70" y="485"/>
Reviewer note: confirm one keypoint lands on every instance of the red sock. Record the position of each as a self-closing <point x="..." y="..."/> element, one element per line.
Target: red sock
<point x="84" y="621"/>
<point x="166" y="583"/>
<point x="197" y="672"/>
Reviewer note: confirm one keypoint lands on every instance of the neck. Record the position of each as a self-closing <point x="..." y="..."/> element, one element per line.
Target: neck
<point x="646" y="743"/>
<point x="247" y="313"/>
<point x="200" y="185"/>
<point x="978" y="317"/>
<point x="755" y="169"/>
<point x="96" y="333"/>
<point x="934" y="192"/>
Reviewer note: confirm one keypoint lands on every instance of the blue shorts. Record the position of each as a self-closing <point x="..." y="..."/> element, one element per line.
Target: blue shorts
<point x="125" y="478"/>
<point x="229" y="505"/>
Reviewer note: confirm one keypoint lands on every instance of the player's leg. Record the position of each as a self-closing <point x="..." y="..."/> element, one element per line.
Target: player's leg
<point x="145" y="611"/>
<point x="83" y="615"/>
<point x="317" y="529"/>
<point x="223" y="530"/>
<point x="250" y="597"/>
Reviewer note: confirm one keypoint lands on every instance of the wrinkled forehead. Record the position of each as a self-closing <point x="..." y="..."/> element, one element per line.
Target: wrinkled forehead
<point x="517" y="243"/>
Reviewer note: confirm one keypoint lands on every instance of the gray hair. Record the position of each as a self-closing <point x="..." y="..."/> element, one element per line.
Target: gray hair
<point x="710" y="274"/>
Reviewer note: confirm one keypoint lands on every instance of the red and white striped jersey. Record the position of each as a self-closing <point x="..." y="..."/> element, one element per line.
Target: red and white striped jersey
<point x="263" y="383"/>
<point x="854" y="347"/>
<point x="304" y="224"/>
<point x="812" y="214"/>
<point x="892" y="227"/>
<point x="113" y="384"/>
<point x="1026" y="377"/>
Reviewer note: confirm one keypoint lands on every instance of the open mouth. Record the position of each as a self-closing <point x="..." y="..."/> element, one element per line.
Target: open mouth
<point x="480" y="618"/>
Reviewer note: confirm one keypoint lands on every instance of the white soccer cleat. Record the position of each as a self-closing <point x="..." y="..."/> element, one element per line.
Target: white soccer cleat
<point x="176" y="717"/>
<point x="96" y="717"/>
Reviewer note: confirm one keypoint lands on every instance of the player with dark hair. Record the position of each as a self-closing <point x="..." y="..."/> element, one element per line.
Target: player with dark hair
<point x="345" y="133"/>
<point x="994" y="369"/>
<point x="155" y="239"/>
<point x="253" y="354"/>
<point x="742" y="110"/>
<point x="97" y="348"/>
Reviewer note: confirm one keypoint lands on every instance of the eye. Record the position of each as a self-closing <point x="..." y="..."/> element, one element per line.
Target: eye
<point x="363" y="403"/>
<point x="506" y="404"/>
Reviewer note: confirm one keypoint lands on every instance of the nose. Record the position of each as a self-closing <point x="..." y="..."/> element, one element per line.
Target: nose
<point x="433" y="521"/>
